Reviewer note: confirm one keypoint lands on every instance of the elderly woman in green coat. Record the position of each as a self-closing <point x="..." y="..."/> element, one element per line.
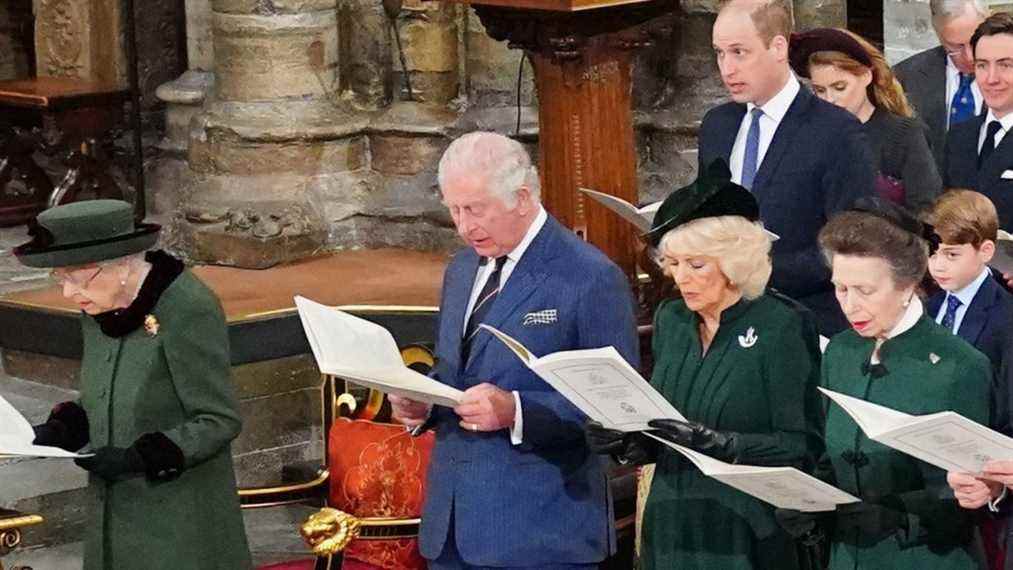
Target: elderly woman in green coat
<point x="895" y="355"/>
<point x="157" y="409"/>
<point x="742" y="364"/>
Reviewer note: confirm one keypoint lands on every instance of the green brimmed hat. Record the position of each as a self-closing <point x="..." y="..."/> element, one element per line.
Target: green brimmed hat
<point x="712" y="194"/>
<point x="85" y="232"/>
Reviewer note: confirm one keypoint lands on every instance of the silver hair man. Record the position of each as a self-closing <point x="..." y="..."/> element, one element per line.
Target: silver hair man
<point x="502" y="161"/>
<point x="946" y="9"/>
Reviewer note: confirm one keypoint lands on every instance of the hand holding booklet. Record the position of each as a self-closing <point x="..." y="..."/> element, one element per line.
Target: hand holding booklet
<point x="783" y="487"/>
<point x="16" y="436"/>
<point x="944" y="439"/>
<point x="364" y="352"/>
<point x="599" y="382"/>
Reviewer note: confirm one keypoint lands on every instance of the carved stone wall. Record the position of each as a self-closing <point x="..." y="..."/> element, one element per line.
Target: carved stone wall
<point x="80" y="38"/>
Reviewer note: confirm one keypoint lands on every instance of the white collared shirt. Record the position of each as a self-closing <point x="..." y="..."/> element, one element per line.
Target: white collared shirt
<point x="914" y="311"/>
<point x="953" y="83"/>
<point x="1006" y="122"/>
<point x="966" y="295"/>
<point x="517" y="431"/>
<point x="773" y="112"/>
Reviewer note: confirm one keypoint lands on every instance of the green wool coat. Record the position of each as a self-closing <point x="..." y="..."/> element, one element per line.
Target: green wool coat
<point x="939" y="533"/>
<point x="177" y="382"/>
<point x="759" y="379"/>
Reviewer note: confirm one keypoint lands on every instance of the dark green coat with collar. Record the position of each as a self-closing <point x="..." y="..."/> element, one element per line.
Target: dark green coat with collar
<point x="927" y="370"/>
<point x="175" y="381"/>
<point x="759" y="379"/>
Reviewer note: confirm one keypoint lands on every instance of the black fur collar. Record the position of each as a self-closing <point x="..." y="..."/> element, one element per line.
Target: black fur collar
<point x="121" y="322"/>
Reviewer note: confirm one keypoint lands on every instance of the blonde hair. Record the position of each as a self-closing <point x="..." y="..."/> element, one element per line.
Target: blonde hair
<point x="884" y="91"/>
<point x="963" y="216"/>
<point x="740" y="246"/>
<point x="771" y="18"/>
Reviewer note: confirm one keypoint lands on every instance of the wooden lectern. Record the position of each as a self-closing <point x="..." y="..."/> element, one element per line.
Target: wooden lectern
<point x="581" y="51"/>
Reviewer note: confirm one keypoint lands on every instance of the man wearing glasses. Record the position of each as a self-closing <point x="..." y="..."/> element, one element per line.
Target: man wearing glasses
<point x="939" y="82"/>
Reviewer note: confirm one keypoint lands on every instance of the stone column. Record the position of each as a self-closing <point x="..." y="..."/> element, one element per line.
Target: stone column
<point x="75" y="38"/>
<point x="428" y="33"/>
<point x="272" y="139"/>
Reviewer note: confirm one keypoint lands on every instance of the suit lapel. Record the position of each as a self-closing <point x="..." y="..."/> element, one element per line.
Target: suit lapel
<point x="998" y="161"/>
<point x="782" y="138"/>
<point x="977" y="312"/>
<point x="460" y="283"/>
<point x="935" y="75"/>
<point x="523" y="281"/>
<point x="729" y="132"/>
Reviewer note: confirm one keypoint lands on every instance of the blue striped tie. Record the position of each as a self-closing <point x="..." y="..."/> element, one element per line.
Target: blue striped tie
<point x="950" y="317"/>
<point x="482" y="307"/>
<point x="749" y="162"/>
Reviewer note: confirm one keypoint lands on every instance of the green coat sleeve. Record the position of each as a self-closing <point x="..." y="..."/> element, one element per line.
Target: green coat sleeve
<point x="196" y="349"/>
<point x="791" y="376"/>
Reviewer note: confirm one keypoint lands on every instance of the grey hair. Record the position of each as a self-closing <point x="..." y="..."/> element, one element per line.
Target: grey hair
<point x="503" y="163"/>
<point x="946" y="9"/>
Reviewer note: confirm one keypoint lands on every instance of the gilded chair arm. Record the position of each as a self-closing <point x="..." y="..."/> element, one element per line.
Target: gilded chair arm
<point x="260" y="497"/>
<point x="329" y="531"/>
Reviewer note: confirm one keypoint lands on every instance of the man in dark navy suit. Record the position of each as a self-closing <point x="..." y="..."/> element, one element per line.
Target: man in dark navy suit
<point x="979" y="155"/>
<point x="803" y="158"/>
<point x="512" y="483"/>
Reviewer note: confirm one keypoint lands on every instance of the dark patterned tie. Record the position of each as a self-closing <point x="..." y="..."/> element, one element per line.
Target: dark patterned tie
<point x="962" y="106"/>
<point x="482" y="307"/>
<point x="988" y="146"/>
<point x="952" y="303"/>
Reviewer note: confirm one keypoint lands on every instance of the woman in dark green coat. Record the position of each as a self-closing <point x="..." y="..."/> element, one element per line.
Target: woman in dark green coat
<point x="741" y="364"/>
<point x="896" y="356"/>
<point x="157" y="407"/>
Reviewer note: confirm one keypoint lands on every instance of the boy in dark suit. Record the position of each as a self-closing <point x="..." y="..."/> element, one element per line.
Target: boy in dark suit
<point x="971" y="304"/>
<point x="803" y="158"/>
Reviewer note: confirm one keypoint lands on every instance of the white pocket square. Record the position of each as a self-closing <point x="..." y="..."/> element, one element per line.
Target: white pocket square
<point x="1007" y="175"/>
<point x="543" y="317"/>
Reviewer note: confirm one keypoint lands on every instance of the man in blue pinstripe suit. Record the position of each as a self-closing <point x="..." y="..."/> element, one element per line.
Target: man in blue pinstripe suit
<point x="511" y="482"/>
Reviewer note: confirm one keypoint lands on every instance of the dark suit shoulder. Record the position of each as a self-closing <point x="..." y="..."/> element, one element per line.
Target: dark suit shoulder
<point x="828" y="115"/>
<point x="919" y="62"/>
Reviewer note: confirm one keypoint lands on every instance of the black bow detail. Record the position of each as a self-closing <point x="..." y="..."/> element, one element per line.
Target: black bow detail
<point x="856" y="458"/>
<point x="875" y="370"/>
<point x="41" y="237"/>
<point x="930" y="235"/>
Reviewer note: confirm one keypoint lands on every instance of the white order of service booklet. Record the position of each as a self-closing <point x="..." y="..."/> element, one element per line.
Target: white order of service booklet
<point x="362" y="351"/>
<point x="947" y="440"/>
<point x="16" y="436"/>
<point x="783" y="487"/>
<point x="608" y="390"/>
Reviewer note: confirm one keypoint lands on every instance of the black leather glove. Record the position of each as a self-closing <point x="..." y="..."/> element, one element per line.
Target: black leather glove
<point x="153" y="454"/>
<point x="627" y="447"/>
<point x="798" y="524"/>
<point x="866" y="523"/>
<point x="718" y="444"/>
<point x="112" y="463"/>
<point x="66" y="428"/>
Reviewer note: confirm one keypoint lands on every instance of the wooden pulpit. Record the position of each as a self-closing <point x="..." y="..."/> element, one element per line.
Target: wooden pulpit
<point x="582" y="51"/>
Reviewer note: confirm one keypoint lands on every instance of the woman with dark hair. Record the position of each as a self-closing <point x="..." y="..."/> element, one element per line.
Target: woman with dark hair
<point x="896" y="356"/>
<point x="849" y="72"/>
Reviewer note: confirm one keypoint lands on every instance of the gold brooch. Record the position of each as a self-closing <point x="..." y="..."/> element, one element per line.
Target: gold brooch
<point x="151" y="325"/>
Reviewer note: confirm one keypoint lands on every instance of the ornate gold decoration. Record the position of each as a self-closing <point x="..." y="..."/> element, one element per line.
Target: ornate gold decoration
<point x="151" y="325"/>
<point x="329" y="531"/>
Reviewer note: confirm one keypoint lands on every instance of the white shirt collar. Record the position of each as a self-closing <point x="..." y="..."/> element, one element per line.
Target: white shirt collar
<point x="778" y="105"/>
<point x="967" y="293"/>
<point x="533" y="229"/>
<point x="1006" y="121"/>
<point x="909" y="319"/>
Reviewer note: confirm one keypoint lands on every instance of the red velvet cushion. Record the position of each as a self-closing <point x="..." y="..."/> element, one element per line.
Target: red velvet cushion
<point x="293" y="565"/>
<point x="379" y="470"/>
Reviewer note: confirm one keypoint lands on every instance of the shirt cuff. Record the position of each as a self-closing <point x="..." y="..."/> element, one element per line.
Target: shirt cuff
<point x="517" y="431"/>
<point x="993" y="505"/>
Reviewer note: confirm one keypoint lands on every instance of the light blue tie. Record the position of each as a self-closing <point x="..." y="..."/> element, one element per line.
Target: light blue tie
<point x="950" y="316"/>
<point x="749" y="162"/>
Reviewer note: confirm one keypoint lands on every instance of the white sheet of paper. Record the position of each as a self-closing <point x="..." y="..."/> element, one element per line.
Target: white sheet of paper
<point x="16" y="436"/>
<point x="599" y="382"/>
<point x="783" y="487"/>
<point x="944" y="439"/>
<point x="641" y="218"/>
<point x="365" y="352"/>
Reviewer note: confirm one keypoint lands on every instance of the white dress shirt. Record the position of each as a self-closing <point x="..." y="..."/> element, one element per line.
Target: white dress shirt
<point x="1006" y="122"/>
<point x="966" y="295"/>
<point x="773" y="112"/>
<point x="953" y="83"/>
<point x="517" y="431"/>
